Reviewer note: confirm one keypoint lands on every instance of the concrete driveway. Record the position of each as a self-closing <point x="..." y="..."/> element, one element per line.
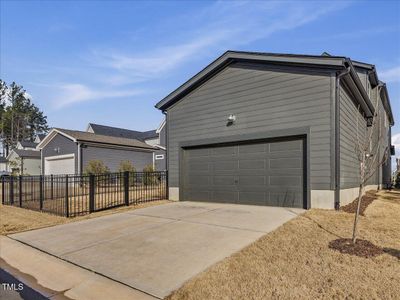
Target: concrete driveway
<point x="157" y="249"/>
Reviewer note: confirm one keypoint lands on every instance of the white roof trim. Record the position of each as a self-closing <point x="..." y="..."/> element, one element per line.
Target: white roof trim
<point x="9" y="154"/>
<point x="161" y="147"/>
<point x="51" y="135"/>
<point x="161" y="126"/>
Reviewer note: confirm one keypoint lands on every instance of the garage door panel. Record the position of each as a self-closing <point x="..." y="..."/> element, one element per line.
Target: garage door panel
<point x="224" y="196"/>
<point x="285" y="154"/>
<point x="286" y="181"/>
<point x="197" y="195"/>
<point x="254" y="198"/>
<point x="252" y="180"/>
<point x="285" y="198"/>
<point x="252" y="164"/>
<point x="285" y="163"/>
<point x="225" y="165"/>
<point x="199" y="180"/>
<point x="199" y="166"/>
<point x="282" y="171"/>
<point x="224" y="180"/>
<point x="263" y="173"/>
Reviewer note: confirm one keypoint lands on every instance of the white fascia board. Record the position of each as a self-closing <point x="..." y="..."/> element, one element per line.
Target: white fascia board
<point x="161" y="126"/>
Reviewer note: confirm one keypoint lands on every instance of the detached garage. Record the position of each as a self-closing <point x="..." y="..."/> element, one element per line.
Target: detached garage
<point x="66" y="151"/>
<point x="272" y="129"/>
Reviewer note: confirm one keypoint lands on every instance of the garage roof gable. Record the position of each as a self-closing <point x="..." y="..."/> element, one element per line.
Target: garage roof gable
<point x="334" y="63"/>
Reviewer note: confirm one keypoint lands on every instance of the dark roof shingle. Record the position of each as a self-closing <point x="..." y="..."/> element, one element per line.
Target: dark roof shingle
<point x="122" y="132"/>
<point x="28" y="144"/>
<point x="84" y="136"/>
<point x="27" y="153"/>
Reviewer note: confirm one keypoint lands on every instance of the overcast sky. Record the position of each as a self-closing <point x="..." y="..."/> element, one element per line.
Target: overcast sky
<point x="109" y="62"/>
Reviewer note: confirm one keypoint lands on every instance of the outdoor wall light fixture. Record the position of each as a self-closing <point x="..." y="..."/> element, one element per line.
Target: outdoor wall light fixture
<point x="231" y="119"/>
<point x="57" y="149"/>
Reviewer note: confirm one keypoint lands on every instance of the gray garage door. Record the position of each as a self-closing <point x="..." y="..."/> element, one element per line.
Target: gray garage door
<point x="263" y="173"/>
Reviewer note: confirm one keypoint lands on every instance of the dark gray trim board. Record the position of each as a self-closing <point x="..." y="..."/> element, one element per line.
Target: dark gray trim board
<point x="275" y="135"/>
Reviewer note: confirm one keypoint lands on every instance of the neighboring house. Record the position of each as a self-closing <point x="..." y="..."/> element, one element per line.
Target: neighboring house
<point x="27" y="145"/>
<point x="273" y="129"/>
<point x="3" y="164"/>
<point x="154" y="138"/>
<point x="24" y="162"/>
<point x="69" y="151"/>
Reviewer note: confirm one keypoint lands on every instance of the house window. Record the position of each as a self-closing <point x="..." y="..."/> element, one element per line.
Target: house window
<point x="160" y="156"/>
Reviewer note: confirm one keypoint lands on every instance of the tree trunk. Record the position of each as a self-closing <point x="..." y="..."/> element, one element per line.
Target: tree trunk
<point x="360" y="193"/>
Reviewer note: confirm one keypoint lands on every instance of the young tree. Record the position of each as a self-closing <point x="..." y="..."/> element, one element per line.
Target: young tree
<point x="96" y="167"/>
<point x="149" y="175"/>
<point x="126" y="166"/>
<point x="370" y="153"/>
<point x="20" y="118"/>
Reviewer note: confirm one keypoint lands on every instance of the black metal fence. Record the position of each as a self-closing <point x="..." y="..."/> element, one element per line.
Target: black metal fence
<point x="74" y="195"/>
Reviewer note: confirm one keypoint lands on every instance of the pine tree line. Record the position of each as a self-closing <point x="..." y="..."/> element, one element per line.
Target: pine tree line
<point x="20" y="118"/>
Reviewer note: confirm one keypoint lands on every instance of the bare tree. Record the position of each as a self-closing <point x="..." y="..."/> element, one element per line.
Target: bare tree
<point x="369" y="152"/>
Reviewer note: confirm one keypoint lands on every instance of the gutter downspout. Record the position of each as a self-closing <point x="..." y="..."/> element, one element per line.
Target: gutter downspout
<point x="166" y="151"/>
<point x="378" y="99"/>
<point x="339" y="75"/>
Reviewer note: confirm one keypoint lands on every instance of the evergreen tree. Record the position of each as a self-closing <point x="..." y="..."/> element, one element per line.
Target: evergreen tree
<point x="20" y="118"/>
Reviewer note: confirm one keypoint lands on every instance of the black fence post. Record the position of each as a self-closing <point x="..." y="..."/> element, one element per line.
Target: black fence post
<point x="3" y="190"/>
<point x="20" y="191"/>
<point x="126" y="187"/>
<point x="66" y="196"/>
<point x="12" y="190"/>
<point x="51" y="187"/>
<point x="166" y="184"/>
<point x="41" y="192"/>
<point x="91" y="192"/>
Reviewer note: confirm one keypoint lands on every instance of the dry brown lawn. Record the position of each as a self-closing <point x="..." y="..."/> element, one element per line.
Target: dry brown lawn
<point x="15" y="219"/>
<point x="294" y="261"/>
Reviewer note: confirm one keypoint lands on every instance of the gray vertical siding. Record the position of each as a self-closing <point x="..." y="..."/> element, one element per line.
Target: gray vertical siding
<point x="363" y="75"/>
<point x="160" y="164"/>
<point x="163" y="136"/>
<point x="263" y="98"/>
<point x="65" y="146"/>
<point x="112" y="157"/>
<point x="349" y="164"/>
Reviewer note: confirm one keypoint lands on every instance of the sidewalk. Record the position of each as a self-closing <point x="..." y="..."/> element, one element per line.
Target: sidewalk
<point x="57" y="279"/>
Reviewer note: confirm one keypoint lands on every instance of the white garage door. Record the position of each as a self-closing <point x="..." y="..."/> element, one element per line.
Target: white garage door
<point x="57" y="165"/>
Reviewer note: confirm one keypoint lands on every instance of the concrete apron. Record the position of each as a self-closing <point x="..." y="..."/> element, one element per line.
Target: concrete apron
<point x="57" y="279"/>
<point x="159" y="248"/>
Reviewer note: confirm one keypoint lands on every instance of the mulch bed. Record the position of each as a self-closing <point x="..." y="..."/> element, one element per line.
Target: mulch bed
<point x="362" y="248"/>
<point x="366" y="200"/>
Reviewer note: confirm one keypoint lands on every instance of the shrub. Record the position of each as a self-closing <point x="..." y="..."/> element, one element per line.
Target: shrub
<point x="126" y="166"/>
<point x="397" y="181"/>
<point x="96" y="167"/>
<point x="148" y="176"/>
